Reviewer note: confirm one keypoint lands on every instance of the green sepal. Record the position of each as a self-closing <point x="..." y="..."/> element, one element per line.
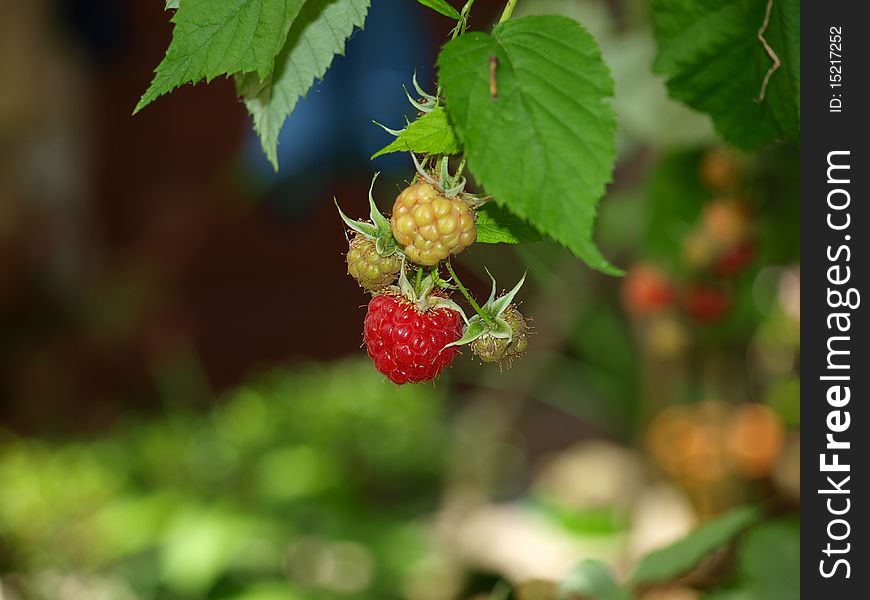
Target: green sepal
<point x="378" y="229"/>
<point x="442" y="302"/>
<point x="366" y="229"/>
<point x="431" y="102"/>
<point x="393" y="132"/>
<point x="500" y="305"/>
<point x="374" y="214"/>
<point x="422" y="93"/>
<point x="478" y="328"/>
<point x="422" y="296"/>
<point x="475" y="329"/>
<point x="490" y="322"/>
<point x="423" y="107"/>
<point x="416" y="295"/>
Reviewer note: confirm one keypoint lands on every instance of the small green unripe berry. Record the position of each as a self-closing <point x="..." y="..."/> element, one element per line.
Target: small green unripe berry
<point x="493" y="349"/>
<point x="371" y="270"/>
<point x="520" y="329"/>
<point x="490" y="349"/>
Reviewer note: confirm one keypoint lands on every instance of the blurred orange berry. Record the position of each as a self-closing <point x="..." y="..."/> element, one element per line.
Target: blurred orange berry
<point x="686" y="442"/>
<point x="719" y="169"/>
<point x="698" y="250"/>
<point x="754" y="439"/>
<point x="646" y="290"/>
<point x="727" y="221"/>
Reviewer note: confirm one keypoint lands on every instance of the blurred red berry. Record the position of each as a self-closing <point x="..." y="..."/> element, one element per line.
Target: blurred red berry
<point x="646" y="290"/>
<point x="735" y="260"/>
<point x="706" y="303"/>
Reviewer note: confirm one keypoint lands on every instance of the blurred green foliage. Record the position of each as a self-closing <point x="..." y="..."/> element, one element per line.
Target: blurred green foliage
<point x="313" y="475"/>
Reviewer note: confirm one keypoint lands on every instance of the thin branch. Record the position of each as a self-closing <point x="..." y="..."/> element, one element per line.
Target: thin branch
<point x="776" y="62"/>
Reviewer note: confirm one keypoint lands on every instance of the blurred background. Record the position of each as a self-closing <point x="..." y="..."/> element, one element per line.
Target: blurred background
<point x="185" y="410"/>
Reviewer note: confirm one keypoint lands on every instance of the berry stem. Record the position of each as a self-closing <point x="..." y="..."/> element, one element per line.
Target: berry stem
<point x="419" y="280"/>
<point x="460" y="168"/>
<point x="466" y="294"/>
<point x="463" y="20"/>
<point x="508" y="11"/>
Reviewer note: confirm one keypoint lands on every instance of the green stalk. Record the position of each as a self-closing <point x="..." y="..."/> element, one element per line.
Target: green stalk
<point x="508" y="11"/>
<point x="463" y="20"/>
<point x="466" y="294"/>
<point x="460" y="168"/>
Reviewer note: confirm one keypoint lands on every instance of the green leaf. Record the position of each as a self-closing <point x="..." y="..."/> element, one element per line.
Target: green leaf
<point x="769" y="561"/>
<point x="441" y="6"/>
<point x="715" y="63"/>
<point x="544" y="146"/>
<point x="592" y="579"/>
<point x="432" y="133"/>
<point x="172" y="4"/>
<point x="674" y="560"/>
<point x="317" y="35"/>
<point x="497" y="225"/>
<point x="221" y="37"/>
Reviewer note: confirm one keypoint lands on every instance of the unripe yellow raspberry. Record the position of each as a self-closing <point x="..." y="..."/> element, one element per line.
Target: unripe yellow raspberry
<point x="429" y="226"/>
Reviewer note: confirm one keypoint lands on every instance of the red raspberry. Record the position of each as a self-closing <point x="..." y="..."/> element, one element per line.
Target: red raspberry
<point x="407" y="345"/>
<point x="706" y="303"/>
<point x="429" y="226"/>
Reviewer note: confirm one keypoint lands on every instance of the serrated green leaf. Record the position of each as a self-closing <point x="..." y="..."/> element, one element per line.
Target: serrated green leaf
<point x="441" y="6"/>
<point x="497" y="225"/>
<point x="683" y="555"/>
<point x="221" y="37"/>
<point x="591" y="579"/>
<point x="432" y="133"/>
<point x="544" y="146"/>
<point x="715" y="63"/>
<point x="317" y="35"/>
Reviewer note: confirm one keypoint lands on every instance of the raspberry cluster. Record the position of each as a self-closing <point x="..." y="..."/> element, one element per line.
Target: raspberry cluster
<point x="414" y="330"/>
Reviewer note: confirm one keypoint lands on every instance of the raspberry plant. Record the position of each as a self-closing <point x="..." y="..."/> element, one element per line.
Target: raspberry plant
<point x="524" y="107"/>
